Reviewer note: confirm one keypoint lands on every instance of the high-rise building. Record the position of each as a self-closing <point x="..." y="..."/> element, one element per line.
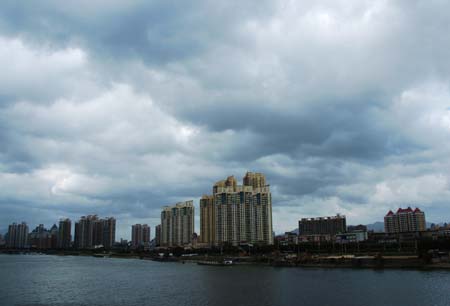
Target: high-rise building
<point x="91" y="231"/>
<point x="322" y="225"/>
<point x="207" y="219"/>
<point x="177" y="224"/>
<point x="158" y="235"/>
<point x="136" y="235"/>
<point x="146" y="235"/>
<point x="109" y="232"/>
<point x="40" y="238"/>
<point x="54" y="232"/>
<point x="84" y="232"/>
<point x="17" y="236"/>
<point x="64" y="233"/>
<point x="405" y="220"/>
<point x="237" y="214"/>
<point x="140" y="235"/>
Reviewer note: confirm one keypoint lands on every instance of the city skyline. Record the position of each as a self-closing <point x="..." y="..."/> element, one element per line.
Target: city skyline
<point x="177" y="226"/>
<point x="118" y="109"/>
<point x="256" y="180"/>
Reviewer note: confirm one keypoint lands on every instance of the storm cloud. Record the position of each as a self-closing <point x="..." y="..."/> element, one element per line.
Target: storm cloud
<point x="119" y="108"/>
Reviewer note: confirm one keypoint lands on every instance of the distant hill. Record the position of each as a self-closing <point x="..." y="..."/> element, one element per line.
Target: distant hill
<point x="376" y="227"/>
<point x="295" y="231"/>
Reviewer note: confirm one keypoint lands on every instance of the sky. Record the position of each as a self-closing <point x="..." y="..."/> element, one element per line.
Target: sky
<point x="118" y="108"/>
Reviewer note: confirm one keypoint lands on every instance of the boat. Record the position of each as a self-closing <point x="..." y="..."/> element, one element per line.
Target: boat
<point x="100" y="255"/>
<point x="226" y="262"/>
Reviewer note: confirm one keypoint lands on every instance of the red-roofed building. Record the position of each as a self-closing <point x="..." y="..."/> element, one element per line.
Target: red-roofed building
<point x="405" y="220"/>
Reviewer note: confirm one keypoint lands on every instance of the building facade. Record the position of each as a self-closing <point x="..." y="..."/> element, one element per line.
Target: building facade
<point x="109" y="232"/>
<point x="207" y="219"/>
<point x="17" y="236"/>
<point x="237" y="214"/>
<point x="405" y="220"/>
<point x="177" y="224"/>
<point x="40" y="238"/>
<point x="322" y="225"/>
<point x="64" y="234"/>
<point x="158" y="235"/>
<point x="140" y="235"/>
<point x="90" y="232"/>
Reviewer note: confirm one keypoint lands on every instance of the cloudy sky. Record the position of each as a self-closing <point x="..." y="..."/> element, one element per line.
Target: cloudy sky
<point x="120" y="107"/>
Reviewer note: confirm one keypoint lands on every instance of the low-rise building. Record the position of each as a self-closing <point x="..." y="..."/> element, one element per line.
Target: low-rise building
<point x="288" y="238"/>
<point x="355" y="236"/>
<point x="322" y="225"/>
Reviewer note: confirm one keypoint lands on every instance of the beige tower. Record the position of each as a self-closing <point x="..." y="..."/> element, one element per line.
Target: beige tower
<point x="207" y="220"/>
<point x="177" y="224"/>
<point x="238" y="214"/>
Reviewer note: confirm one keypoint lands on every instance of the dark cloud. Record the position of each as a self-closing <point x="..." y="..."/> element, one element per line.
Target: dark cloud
<point x="120" y="108"/>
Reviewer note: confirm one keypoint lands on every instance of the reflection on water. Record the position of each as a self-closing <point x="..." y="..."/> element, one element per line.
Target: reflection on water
<point x="53" y="280"/>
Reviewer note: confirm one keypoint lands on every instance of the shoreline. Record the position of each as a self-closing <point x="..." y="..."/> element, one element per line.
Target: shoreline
<point x="334" y="262"/>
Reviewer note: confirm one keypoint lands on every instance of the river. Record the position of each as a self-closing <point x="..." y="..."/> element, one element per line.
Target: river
<point x="77" y="280"/>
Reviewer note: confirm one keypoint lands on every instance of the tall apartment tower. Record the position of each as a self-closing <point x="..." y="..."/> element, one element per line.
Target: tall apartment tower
<point x="84" y="232"/>
<point x="405" y="220"/>
<point x="158" y="235"/>
<point x="140" y="235"/>
<point x="17" y="236"/>
<point x="207" y="219"/>
<point x="109" y="232"/>
<point x="177" y="224"/>
<point x="237" y="214"/>
<point x="64" y="234"/>
<point x="91" y="231"/>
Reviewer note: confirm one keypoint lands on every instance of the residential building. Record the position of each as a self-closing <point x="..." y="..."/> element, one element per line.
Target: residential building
<point x="322" y="225"/>
<point x="146" y="233"/>
<point x="40" y="238"/>
<point x="237" y="214"/>
<point x="354" y="236"/>
<point x="64" y="234"/>
<point x="140" y="235"/>
<point x="158" y="235"/>
<point x="289" y="238"/>
<point x="17" y="236"/>
<point x="207" y="219"/>
<point x="109" y="232"/>
<point x="90" y="232"/>
<point x="177" y="224"/>
<point x="54" y="232"/>
<point x="405" y="220"/>
<point x="84" y="232"/>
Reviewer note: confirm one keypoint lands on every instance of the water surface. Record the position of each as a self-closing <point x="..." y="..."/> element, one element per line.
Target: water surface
<point x="78" y="280"/>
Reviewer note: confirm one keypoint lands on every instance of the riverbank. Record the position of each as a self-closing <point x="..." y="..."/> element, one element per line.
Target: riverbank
<point x="328" y="262"/>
